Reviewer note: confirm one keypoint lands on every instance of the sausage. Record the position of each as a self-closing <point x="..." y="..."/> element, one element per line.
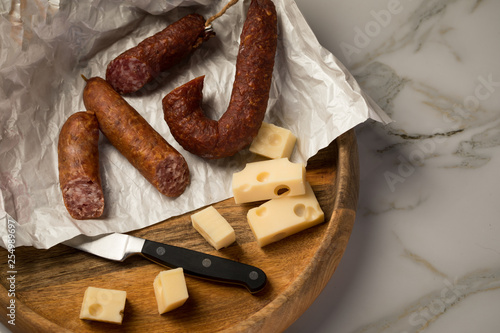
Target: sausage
<point x="160" y="163"/>
<point x="78" y="164"/>
<point x="247" y="107"/>
<point x="137" y="66"/>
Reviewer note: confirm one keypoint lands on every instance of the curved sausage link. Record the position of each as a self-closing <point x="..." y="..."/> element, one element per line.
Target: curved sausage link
<point x="240" y="123"/>
<point x="78" y="163"/>
<point x="137" y="66"/>
<point x="160" y="163"/>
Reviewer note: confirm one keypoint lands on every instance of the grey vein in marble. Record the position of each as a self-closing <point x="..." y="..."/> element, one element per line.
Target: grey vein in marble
<point x="472" y="151"/>
<point x="423" y="312"/>
<point x="415" y="31"/>
<point x="382" y="83"/>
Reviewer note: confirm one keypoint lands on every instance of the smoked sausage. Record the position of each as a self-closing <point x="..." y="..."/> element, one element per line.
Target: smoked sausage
<point x="78" y="164"/>
<point x="160" y="163"/>
<point x="137" y="66"/>
<point x="240" y="123"/>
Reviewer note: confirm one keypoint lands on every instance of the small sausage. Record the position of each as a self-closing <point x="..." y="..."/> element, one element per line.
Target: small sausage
<point x="78" y="163"/>
<point x="240" y="123"/>
<point x="137" y="66"/>
<point x="160" y="163"/>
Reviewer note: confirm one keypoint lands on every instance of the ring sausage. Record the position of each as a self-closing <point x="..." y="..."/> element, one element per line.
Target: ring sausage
<point x="160" y="163"/>
<point x="78" y="163"/>
<point x="240" y="123"/>
<point x="137" y="66"/>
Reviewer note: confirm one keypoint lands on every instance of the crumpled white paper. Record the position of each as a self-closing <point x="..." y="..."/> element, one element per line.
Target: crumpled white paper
<point x="46" y="46"/>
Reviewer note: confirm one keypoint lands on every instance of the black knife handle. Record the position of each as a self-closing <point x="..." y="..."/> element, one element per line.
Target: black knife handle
<point x="205" y="266"/>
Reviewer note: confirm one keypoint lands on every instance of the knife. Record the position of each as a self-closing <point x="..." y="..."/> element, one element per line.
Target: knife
<point x="119" y="247"/>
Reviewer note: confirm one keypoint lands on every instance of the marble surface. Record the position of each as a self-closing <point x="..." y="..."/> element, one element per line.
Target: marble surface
<point x="424" y="255"/>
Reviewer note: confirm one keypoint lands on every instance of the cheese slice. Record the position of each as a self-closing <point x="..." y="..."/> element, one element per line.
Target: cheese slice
<point x="273" y="142"/>
<point x="213" y="227"/>
<point x="282" y="217"/>
<point x="106" y="305"/>
<point x="268" y="179"/>
<point x="170" y="289"/>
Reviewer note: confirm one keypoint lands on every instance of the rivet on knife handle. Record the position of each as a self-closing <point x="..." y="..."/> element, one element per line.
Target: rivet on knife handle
<point x="205" y="266"/>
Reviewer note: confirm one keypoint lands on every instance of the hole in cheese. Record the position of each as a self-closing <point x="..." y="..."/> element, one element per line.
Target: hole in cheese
<point x="299" y="210"/>
<point x="312" y="212"/>
<point x="261" y="211"/>
<point x="104" y="296"/>
<point x="263" y="176"/>
<point x="281" y="190"/>
<point x="274" y="139"/>
<point x="95" y="309"/>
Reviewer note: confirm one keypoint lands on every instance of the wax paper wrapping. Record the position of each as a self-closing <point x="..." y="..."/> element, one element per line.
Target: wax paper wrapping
<point x="46" y="46"/>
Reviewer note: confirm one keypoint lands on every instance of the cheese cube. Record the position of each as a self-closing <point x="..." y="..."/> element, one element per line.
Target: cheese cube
<point x="273" y="142"/>
<point x="106" y="305"/>
<point x="170" y="289"/>
<point x="268" y="180"/>
<point x="213" y="227"/>
<point x="282" y="217"/>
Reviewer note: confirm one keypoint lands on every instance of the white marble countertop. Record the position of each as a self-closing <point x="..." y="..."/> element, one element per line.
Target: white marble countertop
<point x="424" y="255"/>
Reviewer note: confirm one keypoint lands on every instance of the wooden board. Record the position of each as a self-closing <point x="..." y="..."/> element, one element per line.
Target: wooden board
<point x="50" y="283"/>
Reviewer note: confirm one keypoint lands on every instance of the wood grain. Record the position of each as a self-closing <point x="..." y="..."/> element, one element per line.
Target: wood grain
<point x="50" y="283"/>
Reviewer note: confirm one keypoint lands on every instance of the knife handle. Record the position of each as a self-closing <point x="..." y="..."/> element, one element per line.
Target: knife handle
<point x="205" y="266"/>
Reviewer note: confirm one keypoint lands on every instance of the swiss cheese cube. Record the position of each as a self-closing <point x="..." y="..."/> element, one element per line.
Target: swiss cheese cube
<point x="170" y="289"/>
<point x="106" y="305"/>
<point x="273" y="142"/>
<point x="269" y="179"/>
<point x="282" y="217"/>
<point x="213" y="227"/>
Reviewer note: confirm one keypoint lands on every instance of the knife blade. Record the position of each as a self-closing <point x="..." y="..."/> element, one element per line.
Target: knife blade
<point x="118" y="247"/>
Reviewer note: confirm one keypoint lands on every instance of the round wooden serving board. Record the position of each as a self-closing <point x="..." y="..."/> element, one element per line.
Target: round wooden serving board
<point x="50" y="283"/>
